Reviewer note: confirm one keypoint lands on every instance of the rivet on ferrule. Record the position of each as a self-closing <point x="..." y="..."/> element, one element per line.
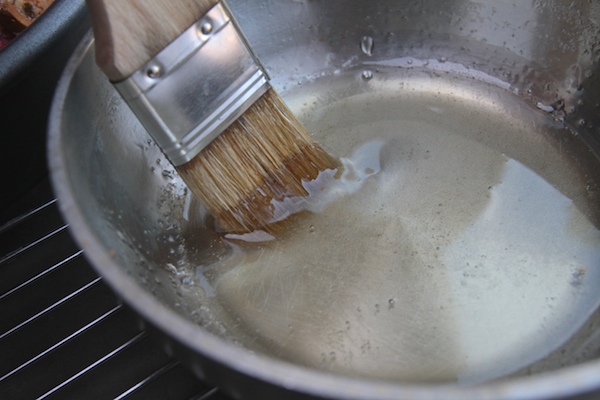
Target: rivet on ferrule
<point x="206" y="28"/>
<point x="153" y="71"/>
<point x="195" y="87"/>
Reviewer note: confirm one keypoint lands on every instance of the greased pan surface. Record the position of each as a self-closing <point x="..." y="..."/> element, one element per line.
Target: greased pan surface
<point x="457" y="256"/>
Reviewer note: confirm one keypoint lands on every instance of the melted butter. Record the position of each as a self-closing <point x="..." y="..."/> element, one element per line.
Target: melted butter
<point x="325" y="189"/>
<point x="459" y="243"/>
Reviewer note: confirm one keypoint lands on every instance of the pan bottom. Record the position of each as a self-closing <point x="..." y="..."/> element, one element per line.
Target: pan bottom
<point x="461" y="243"/>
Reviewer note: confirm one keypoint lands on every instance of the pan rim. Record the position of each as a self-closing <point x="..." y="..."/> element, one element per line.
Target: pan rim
<point x="301" y="380"/>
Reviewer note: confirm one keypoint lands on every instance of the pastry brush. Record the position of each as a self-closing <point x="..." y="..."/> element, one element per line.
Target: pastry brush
<point x="189" y="75"/>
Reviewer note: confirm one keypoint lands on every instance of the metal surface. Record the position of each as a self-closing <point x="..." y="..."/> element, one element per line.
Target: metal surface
<point x="63" y="332"/>
<point x="184" y="109"/>
<point x="466" y="265"/>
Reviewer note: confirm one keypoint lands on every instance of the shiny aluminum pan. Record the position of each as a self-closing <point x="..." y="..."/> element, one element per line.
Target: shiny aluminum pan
<point x="123" y="203"/>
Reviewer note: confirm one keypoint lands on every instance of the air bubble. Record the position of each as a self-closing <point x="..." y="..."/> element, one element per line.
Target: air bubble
<point x="366" y="45"/>
<point x="367" y="74"/>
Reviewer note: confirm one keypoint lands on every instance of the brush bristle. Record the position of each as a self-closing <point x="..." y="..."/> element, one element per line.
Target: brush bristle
<point x="265" y="155"/>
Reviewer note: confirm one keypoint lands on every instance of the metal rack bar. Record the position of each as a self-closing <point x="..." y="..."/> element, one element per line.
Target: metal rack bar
<point x="63" y="333"/>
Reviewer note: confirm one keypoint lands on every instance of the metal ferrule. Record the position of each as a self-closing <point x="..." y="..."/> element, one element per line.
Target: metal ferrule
<point x="196" y="86"/>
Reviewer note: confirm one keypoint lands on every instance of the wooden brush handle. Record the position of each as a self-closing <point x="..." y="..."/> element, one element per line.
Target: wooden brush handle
<point x="129" y="33"/>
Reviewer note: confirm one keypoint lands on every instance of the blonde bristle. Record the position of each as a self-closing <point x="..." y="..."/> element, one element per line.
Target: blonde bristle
<point x="265" y="155"/>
